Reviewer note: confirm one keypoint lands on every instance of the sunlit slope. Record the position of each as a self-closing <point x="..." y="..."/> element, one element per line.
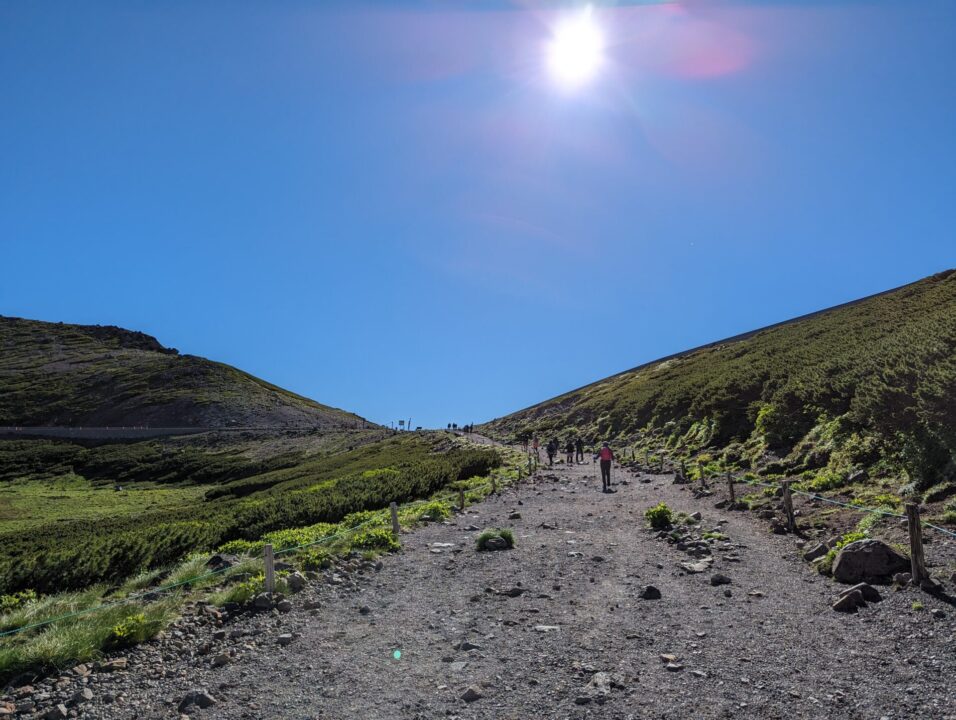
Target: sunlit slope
<point x="53" y="374"/>
<point x="870" y="385"/>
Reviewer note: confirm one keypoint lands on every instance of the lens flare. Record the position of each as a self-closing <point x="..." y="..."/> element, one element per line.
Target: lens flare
<point x="576" y="50"/>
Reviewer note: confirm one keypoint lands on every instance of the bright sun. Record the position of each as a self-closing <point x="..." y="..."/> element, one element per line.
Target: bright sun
<point x="576" y="49"/>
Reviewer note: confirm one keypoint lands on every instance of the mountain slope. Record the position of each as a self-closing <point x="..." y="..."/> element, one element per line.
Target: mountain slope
<point x="54" y="374"/>
<point x="865" y="386"/>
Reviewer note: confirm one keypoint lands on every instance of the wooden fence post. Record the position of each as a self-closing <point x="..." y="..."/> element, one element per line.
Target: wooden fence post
<point x="461" y="499"/>
<point x="494" y="485"/>
<point x="270" y="561"/>
<point x="703" y="475"/>
<point x="647" y="460"/>
<point x="917" y="563"/>
<point x="683" y="470"/>
<point x="788" y="506"/>
<point x="730" y="489"/>
<point x="395" y="526"/>
<point x="662" y="461"/>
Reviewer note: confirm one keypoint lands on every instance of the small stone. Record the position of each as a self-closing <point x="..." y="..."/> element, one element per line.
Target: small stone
<point x="365" y="610"/>
<point x="284" y="639"/>
<point x="674" y="667"/>
<point x="201" y="698"/>
<point x="817" y="551"/>
<point x="471" y="694"/>
<point x="284" y="606"/>
<point x="262" y="601"/>
<point x="57" y="712"/>
<point x="649" y="592"/>
<point x="220" y="660"/>
<point x="458" y="666"/>
<point x="719" y="579"/>
<point x="296" y="582"/>
<point x="869" y="593"/>
<point x="902" y="578"/>
<point x="465" y="645"/>
<point x="112" y="665"/>
<point x="514" y="516"/>
<point x="698" y="673"/>
<point x="937" y="613"/>
<point x="82" y="696"/>
<point x="546" y="628"/>
<point x="696" y="516"/>
<point x="583" y="699"/>
<point x="496" y="543"/>
<point x="848" y="602"/>
<point x="668" y="658"/>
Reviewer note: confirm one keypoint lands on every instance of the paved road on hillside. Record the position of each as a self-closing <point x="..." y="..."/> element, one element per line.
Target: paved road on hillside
<point x="766" y="646"/>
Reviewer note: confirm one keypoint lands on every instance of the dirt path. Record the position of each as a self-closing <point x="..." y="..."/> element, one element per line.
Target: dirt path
<point x="581" y="558"/>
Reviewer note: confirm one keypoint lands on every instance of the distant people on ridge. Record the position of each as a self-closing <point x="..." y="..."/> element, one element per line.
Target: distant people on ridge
<point x="579" y="448"/>
<point x="552" y="451"/>
<point x="569" y="452"/>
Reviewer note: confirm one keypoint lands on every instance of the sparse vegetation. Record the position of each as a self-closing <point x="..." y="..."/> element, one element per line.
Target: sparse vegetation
<point x="659" y="517"/>
<point x="488" y="534"/>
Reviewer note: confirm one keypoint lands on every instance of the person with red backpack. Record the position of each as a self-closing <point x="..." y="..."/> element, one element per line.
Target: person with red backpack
<point x="606" y="456"/>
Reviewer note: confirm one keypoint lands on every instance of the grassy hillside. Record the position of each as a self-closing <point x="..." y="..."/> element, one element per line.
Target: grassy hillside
<point x="52" y="374"/>
<point x="65" y="525"/>
<point x="866" y="390"/>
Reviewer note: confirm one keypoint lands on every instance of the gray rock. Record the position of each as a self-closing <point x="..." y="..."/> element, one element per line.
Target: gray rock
<point x="262" y="601"/>
<point x="472" y="693"/>
<point x="937" y="613"/>
<point x="849" y="601"/>
<point x="284" y="639"/>
<point x="496" y="543"/>
<point x="82" y="696"/>
<point x="867" y="559"/>
<point x="649" y="592"/>
<point x="869" y="593"/>
<point x="200" y="698"/>
<point x="816" y="551"/>
<point x="220" y="660"/>
<point x="465" y="645"/>
<point x="902" y="578"/>
<point x="296" y="582"/>
<point x="113" y="665"/>
<point x="719" y="579"/>
<point x="284" y="606"/>
<point x="514" y="516"/>
<point x="57" y="712"/>
<point x="365" y="610"/>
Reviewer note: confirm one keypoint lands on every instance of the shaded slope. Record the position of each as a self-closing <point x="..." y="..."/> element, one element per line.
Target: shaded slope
<point x="54" y="374"/>
<point x="869" y="385"/>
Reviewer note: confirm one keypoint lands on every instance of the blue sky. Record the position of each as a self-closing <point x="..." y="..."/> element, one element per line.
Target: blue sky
<point x="393" y="208"/>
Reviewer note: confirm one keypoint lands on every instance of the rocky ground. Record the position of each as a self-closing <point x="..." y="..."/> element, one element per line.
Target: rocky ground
<point x="562" y="626"/>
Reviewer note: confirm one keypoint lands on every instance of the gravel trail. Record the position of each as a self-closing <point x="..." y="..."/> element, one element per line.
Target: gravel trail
<point x="575" y="640"/>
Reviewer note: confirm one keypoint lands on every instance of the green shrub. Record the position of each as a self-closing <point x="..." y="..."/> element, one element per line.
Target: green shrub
<point x="132" y="630"/>
<point x="659" y="517"/>
<point x="434" y="511"/>
<point x="376" y="538"/>
<point x="506" y="534"/>
<point x="314" y="559"/>
<point x="16" y="600"/>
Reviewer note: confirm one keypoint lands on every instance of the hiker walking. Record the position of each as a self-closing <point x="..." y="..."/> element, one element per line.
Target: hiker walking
<point x="579" y="448"/>
<point x="552" y="451"/>
<point x="606" y="456"/>
<point x="569" y="452"/>
<point x="536" y="447"/>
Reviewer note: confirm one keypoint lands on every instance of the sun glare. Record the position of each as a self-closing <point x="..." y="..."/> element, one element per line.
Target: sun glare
<point x="576" y="49"/>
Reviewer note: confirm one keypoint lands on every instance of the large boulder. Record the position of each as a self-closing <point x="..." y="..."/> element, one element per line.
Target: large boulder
<point x="868" y="559"/>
